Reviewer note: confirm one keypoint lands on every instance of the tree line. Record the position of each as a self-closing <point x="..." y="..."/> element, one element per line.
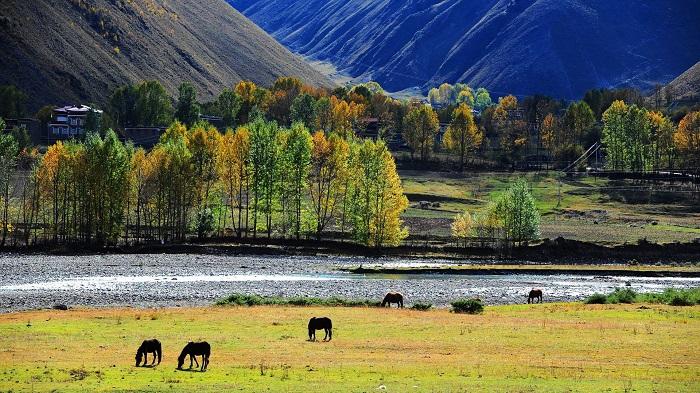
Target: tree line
<point x="257" y="180"/>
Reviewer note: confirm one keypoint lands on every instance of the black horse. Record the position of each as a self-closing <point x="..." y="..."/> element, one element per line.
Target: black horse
<point x="534" y="295"/>
<point x="192" y="349"/>
<point x="318" y="324"/>
<point x="149" y="346"/>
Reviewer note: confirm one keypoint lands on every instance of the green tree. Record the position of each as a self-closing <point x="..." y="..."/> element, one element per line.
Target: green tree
<point x="12" y="102"/>
<point x="153" y="105"/>
<point x="304" y="110"/>
<point x="421" y="125"/>
<point x="264" y="167"/>
<point x="482" y="99"/>
<point x="188" y="109"/>
<point x="518" y="214"/>
<point x="8" y="163"/>
<point x="614" y="135"/>
<point x="228" y="105"/>
<point x="296" y="164"/>
<point x="93" y="120"/>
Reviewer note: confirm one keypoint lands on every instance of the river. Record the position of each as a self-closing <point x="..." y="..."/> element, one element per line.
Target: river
<point x="39" y="281"/>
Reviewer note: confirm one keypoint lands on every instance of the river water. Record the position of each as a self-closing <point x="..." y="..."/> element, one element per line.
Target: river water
<point x="38" y="281"/>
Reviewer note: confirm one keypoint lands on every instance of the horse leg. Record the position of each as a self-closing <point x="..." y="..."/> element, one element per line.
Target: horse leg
<point x="154" y="359"/>
<point x="194" y="357"/>
<point x="145" y="358"/>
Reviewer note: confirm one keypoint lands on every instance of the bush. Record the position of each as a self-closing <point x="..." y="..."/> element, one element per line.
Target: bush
<point x="421" y="306"/>
<point x="257" y="300"/>
<point x="468" y="306"/>
<point x="624" y="295"/>
<point x="596" y="298"/>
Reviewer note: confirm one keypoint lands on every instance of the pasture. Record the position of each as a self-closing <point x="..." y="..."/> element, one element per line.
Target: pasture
<point x="523" y="348"/>
<point x="586" y="209"/>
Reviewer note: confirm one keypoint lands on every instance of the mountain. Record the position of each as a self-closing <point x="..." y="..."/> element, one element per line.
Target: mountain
<point x="555" y="47"/>
<point x="78" y="51"/>
<point x="687" y="85"/>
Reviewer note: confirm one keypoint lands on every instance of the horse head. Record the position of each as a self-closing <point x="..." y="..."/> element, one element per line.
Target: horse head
<point x="139" y="356"/>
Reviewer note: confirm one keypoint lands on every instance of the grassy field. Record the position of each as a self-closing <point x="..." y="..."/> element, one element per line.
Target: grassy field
<point x="549" y="347"/>
<point x="587" y="209"/>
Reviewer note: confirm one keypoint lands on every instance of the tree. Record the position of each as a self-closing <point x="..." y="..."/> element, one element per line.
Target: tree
<point x="254" y="100"/>
<point x="123" y="106"/>
<point x="511" y="128"/>
<point x="92" y="120"/>
<point x="233" y="172"/>
<point x="45" y="115"/>
<point x="264" y="166"/>
<point x="296" y="164"/>
<point x="228" y="105"/>
<point x="661" y="135"/>
<point x="187" y="106"/>
<point x="463" y="135"/>
<point x="8" y="162"/>
<point x="153" y="105"/>
<point x="327" y="180"/>
<point x="517" y="213"/>
<point x="462" y="227"/>
<point x="421" y="125"/>
<point x="482" y="99"/>
<point x="344" y="117"/>
<point x="614" y="135"/>
<point x="12" y="101"/>
<point x="377" y="198"/>
<point x="303" y="110"/>
<point x="687" y="139"/>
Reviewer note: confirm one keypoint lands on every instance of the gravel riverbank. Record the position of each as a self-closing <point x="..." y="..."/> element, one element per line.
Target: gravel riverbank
<point x="160" y="280"/>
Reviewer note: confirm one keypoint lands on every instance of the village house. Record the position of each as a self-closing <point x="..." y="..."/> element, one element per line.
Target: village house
<point x="68" y="122"/>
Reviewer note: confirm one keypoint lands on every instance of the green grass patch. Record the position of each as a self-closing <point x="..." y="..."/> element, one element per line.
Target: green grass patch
<point x="299" y="301"/>
<point x="670" y="296"/>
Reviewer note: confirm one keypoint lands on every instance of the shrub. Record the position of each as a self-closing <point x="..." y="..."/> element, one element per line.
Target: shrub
<point x="468" y="306"/>
<point x="622" y="295"/>
<point x="257" y="300"/>
<point x="421" y="306"/>
<point x="596" y="298"/>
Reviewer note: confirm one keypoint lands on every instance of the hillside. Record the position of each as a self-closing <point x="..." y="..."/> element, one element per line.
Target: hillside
<point x="73" y="51"/>
<point x="561" y="48"/>
<point x="687" y="84"/>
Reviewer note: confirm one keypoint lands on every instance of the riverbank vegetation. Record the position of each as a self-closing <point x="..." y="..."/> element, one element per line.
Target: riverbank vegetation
<point x="672" y="297"/>
<point x="550" y="347"/>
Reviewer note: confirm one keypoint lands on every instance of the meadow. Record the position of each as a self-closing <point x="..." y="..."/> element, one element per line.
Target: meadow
<point x="519" y="348"/>
<point x="585" y="208"/>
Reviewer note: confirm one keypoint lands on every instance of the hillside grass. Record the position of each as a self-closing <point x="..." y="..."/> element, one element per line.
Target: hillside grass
<point x="595" y="210"/>
<point x="544" y="347"/>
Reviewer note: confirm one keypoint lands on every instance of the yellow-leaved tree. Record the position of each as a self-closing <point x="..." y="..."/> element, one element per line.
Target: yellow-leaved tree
<point x="462" y="227"/>
<point x="462" y="136"/>
<point x="687" y="139"/>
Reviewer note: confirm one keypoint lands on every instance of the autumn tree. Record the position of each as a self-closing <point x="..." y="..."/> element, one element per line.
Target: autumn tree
<point x="254" y="101"/>
<point x="687" y="139"/>
<point x="462" y="136"/>
<point x="421" y="125"/>
<point x="510" y="127"/>
<point x="233" y="173"/>
<point x="661" y="138"/>
<point x="377" y="198"/>
<point x="344" y="117"/>
<point x="327" y="181"/>
<point x="462" y="227"/>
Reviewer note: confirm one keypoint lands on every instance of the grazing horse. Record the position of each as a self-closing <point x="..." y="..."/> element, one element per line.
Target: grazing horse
<point x="535" y="294"/>
<point x="149" y="346"/>
<point x="192" y="349"/>
<point x="318" y="324"/>
<point x="393" y="297"/>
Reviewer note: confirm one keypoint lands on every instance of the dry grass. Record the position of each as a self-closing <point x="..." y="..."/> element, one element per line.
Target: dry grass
<point x="553" y="347"/>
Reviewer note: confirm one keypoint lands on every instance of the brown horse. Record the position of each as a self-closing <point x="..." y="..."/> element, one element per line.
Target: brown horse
<point x="318" y="324"/>
<point x="393" y="297"/>
<point x="535" y="294"/>
<point x="149" y="346"/>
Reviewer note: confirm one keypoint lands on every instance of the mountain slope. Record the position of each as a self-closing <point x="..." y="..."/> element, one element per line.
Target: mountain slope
<point x="555" y="47"/>
<point x="687" y="85"/>
<point x="71" y="51"/>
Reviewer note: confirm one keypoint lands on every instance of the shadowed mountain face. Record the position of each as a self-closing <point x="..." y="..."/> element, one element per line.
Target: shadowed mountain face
<point x="556" y="47"/>
<point x="687" y="84"/>
<point x="78" y="51"/>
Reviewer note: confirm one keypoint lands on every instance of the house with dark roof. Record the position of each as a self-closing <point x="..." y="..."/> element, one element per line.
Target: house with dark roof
<point x="68" y="122"/>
